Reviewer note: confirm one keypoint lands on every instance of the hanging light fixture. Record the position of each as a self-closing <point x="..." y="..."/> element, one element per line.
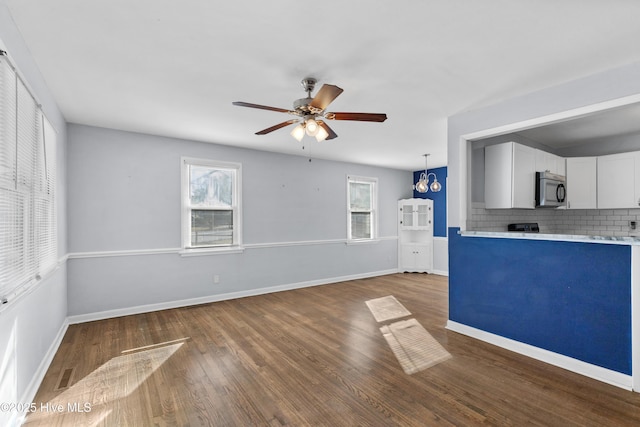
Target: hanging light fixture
<point x="322" y="134"/>
<point x="422" y="186"/>
<point x="312" y="127"/>
<point x="435" y="185"/>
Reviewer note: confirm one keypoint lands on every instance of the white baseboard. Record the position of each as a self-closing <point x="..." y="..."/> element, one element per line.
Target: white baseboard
<point x="89" y="317"/>
<point x="592" y="371"/>
<point x="31" y="390"/>
<point x="441" y="273"/>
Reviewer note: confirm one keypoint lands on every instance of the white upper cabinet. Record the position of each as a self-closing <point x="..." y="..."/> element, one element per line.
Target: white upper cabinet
<point x="549" y="162"/>
<point x="509" y="176"/>
<point x="619" y="181"/>
<point x="581" y="183"/>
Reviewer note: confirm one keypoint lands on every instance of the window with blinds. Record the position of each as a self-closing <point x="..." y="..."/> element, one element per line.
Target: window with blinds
<point x="361" y="212"/>
<point x="28" y="234"/>
<point x="211" y="204"/>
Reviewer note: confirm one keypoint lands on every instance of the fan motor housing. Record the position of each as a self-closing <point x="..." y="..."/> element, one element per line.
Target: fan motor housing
<point x="302" y="104"/>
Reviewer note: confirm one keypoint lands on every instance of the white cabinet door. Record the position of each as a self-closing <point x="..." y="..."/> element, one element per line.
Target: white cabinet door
<point x="617" y="176"/>
<point x="509" y="176"/>
<point x="541" y="161"/>
<point x="416" y="258"/>
<point x="407" y="257"/>
<point x="549" y="162"/>
<point x="524" y="176"/>
<point x="498" y="166"/>
<point x="581" y="183"/>
<point x="407" y="221"/>
<point x="424" y="257"/>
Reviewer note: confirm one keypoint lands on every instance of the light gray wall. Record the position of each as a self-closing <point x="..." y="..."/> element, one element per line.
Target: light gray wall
<point x="124" y="195"/>
<point x="30" y="326"/>
<point x="601" y="87"/>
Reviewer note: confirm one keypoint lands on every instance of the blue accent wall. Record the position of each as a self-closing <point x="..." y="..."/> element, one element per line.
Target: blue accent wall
<point x="570" y="298"/>
<point x="439" y="200"/>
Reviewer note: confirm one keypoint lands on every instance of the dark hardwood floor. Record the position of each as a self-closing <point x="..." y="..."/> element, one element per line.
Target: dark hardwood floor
<point x="309" y="357"/>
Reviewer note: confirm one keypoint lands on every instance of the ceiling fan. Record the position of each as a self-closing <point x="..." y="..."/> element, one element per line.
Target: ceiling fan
<point x="311" y="113"/>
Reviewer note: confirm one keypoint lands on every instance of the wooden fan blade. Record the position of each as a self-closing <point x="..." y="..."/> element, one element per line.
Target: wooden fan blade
<point x="276" y="127"/>
<point x="325" y="96"/>
<point x="330" y="131"/>
<point x="361" y="117"/>
<point x="262" y="107"/>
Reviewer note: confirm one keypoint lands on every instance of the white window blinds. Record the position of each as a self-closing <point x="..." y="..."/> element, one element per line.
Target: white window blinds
<point x="211" y="204"/>
<point x="27" y="186"/>
<point x="361" y="204"/>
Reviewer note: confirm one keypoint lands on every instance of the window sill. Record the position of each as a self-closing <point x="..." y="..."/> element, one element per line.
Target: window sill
<point x="211" y="251"/>
<point x="362" y="241"/>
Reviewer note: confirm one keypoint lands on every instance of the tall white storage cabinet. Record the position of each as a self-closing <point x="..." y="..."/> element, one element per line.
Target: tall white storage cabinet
<point x="509" y="176"/>
<point x="415" y="235"/>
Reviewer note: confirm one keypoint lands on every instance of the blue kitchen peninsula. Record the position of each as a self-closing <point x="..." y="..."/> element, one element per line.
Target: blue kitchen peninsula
<point x="563" y="299"/>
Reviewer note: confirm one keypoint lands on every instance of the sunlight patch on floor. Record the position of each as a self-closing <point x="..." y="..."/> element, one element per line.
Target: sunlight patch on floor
<point x="97" y="394"/>
<point x="413" y="346"/>
<point x="387" y="308"/>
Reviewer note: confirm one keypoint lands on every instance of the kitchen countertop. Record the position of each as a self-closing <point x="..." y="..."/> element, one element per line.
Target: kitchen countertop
<point x="611" y="240"/>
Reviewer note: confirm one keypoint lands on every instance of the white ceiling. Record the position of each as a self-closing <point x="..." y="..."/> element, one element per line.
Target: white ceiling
<point x="173" y="67"/>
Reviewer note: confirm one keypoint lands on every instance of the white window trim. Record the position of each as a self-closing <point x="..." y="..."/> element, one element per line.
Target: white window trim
<point x="185" y="217"/>
<point x="374" y="209"/>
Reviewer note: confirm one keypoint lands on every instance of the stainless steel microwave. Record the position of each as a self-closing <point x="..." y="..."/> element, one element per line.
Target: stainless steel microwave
<point x="551" y="190"/>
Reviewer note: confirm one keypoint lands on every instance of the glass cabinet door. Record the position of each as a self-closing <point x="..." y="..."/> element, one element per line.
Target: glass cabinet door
<point x="407" y="215"/>
<point x="423" y="216"/>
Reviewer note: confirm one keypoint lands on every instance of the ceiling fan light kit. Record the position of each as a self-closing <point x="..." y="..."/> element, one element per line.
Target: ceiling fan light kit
<point x="311" y="126"/>
<point x="298" y="132"/>
<point x="321" y="134"/>
<point x="310" y="112"/>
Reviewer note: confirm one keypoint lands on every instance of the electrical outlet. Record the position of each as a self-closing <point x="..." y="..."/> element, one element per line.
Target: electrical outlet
<point x="216" y="279"/>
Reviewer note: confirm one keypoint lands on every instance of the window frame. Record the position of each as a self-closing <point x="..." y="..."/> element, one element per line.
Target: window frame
<point x="373" y="211"/>
<point x="28" y="184"/>
<point x="236" y="206"/>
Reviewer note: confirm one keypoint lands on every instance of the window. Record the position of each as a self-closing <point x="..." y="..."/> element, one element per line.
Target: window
<point x="211" y="204"/>
<point x="362" y="203"/>
<point x="28" y="235"/>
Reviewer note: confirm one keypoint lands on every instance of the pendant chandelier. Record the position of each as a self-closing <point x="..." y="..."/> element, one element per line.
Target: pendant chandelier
<point x="422" y="186"/>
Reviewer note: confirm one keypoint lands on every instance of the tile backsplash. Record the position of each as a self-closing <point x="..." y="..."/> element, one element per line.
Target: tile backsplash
<point x="589" y="222"/>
